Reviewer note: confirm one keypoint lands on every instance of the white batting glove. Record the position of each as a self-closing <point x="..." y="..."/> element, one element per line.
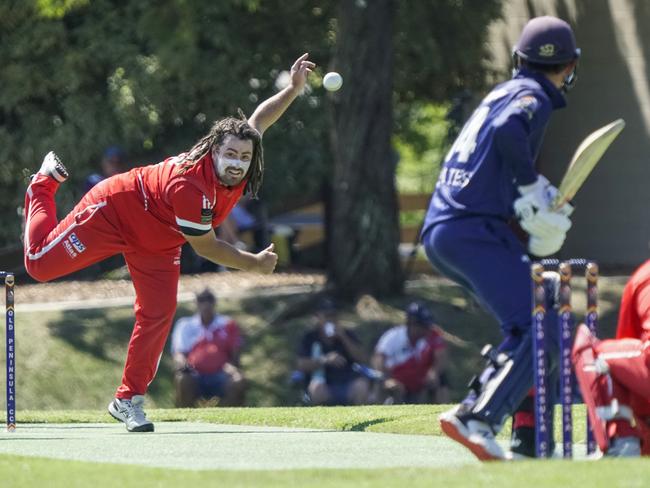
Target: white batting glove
<point x="566" y="209"/>
<point x="545" y="246"/>
<point x="533" y="210"/>
<point x="543" y="223"/>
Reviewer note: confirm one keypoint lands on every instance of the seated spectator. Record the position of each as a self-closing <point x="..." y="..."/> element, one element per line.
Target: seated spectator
<point x="326" y="356"/>
<point x="238" y="221"/>
<point x="205" y="349"/>
<point x="113" y="162"/>
<point x="249" y="215"/>
<point x="411" y="357"/>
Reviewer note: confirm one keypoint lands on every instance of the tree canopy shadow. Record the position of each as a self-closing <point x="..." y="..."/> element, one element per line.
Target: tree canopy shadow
<point x="93" y="331"/>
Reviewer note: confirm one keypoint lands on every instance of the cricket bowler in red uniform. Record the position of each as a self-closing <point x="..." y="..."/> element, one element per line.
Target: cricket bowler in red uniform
<point x="614" y="374"/>
<point x="147" y="214"/>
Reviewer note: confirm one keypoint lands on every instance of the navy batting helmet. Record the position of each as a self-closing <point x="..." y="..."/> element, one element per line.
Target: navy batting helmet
<point x="547" y="40"/>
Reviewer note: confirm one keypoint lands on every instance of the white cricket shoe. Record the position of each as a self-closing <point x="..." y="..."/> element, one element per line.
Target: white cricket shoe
<point x="130" y="412"/>
<point x="475" y="435"/>
<point x="624" y="447"/>
<point x="54" y="168"/>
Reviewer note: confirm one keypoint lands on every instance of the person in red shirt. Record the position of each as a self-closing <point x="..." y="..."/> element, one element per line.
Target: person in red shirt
<point x="205" y="348"/>
<point x="634" y="314"/>
<point x="146" y="214"/>
<point x="411" y="356"/>
<point x="614" y="374"/>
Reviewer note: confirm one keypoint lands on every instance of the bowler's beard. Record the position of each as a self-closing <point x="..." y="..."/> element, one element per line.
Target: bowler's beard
<point x="230" y="180"/>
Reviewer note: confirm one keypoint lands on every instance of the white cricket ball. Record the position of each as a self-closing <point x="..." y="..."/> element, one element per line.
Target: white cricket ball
<point x="332" y="81"/>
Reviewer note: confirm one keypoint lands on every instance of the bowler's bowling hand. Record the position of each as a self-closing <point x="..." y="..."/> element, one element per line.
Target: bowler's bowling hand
<point x="300" y="71"/>
<point x="265" y="261"/>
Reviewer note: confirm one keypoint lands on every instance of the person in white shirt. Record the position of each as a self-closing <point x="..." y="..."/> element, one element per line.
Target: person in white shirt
<point x="205" y="349"/>
<point x="411" y="357"/>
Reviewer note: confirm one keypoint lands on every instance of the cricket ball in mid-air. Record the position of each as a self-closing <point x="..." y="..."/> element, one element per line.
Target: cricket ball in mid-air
<point x="332" y="81"/>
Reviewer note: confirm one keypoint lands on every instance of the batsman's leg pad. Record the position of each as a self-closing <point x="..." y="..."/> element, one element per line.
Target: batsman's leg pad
<point x="508" y="384"/>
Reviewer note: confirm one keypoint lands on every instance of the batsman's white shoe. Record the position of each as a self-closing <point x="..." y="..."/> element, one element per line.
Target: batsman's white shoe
<point x="624" y="447"/>
<point x="130" y="412"/>
<point x="475" y="435"/>
<point x="54" y="168"/>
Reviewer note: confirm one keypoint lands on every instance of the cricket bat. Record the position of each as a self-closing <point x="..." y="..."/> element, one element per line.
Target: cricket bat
<point x="584" y="160"/>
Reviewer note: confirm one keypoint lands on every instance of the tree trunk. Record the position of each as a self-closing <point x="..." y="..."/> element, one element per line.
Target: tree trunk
<point x="363" y="246"/>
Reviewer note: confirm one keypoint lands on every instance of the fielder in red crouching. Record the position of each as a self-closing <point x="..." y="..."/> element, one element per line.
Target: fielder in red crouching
<point x="614" y="375"/>
<point x="146" y="214"/>
<point x="411" y="356"/>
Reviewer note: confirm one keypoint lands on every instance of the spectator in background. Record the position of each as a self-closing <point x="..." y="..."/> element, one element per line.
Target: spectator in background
<point x="230" y="231"/>
<point x="238" y="222"/>
<point x="326" y="356"/>
<point x="112" y="163"/>
<point x="205" y="349"/>
<point x="412" y="358"/>
<point x="257" y="221"/>
<point x="249" y="215"/>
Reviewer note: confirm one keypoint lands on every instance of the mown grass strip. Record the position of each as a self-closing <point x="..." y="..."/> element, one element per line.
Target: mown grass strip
<point x="395" y="419"/>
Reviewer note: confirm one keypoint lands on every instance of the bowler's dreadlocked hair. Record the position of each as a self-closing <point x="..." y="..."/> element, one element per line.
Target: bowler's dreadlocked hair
<point x="240" y="129"/>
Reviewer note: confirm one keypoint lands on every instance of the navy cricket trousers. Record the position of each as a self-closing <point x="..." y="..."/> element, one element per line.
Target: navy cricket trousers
<point x="484" y="255"/>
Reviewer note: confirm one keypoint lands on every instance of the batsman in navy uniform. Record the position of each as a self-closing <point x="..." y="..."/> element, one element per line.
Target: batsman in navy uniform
<point x="488" y="178"/>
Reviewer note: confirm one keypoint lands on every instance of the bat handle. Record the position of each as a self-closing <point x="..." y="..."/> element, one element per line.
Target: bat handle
<point x="557" y="202"/>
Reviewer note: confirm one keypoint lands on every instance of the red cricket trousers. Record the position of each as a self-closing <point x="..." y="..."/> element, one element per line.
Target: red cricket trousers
<point x="629" y="367"/>
<point x="110" y="219"/>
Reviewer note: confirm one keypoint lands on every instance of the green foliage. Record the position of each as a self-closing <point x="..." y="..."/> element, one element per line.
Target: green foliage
<point x="151" y="75"/>
<point x="55" y="9"/>
<point x="439" y="48"/>
<point x="421" y="146"/>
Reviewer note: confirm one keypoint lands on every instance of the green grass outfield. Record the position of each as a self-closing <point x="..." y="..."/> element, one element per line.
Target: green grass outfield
<point x="26" y="472"/>
<point x="416" y="424"/>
